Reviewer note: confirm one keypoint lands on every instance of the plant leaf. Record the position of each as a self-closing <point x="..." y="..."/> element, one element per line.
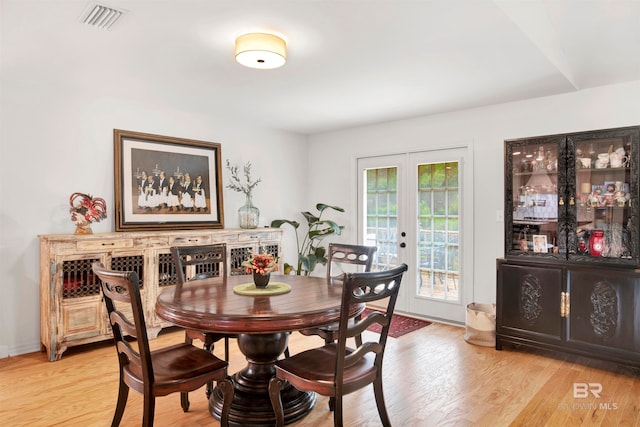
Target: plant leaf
<point x="288" y="268"/>
<point x="320" y="254"/>
<point x="311" y="218"/>
<point x="311" y="263"/>
<point x="308" y="262"/>
<point x="278" y="222"/>
<point x="321" y="207"/>
<point x="323" y="232"/>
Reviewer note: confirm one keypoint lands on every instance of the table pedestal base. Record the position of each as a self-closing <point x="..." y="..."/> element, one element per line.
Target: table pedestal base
<point x="251" y="404"/>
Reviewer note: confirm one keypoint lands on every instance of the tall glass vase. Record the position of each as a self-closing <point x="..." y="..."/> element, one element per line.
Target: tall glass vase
<point x="248" y="215"/>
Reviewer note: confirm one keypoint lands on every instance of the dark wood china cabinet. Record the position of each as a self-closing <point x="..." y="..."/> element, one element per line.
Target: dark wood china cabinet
<point x="570" y="278"/>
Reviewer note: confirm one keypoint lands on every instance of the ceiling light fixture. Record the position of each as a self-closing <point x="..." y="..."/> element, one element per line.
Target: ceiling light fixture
<point x="261" y="50"/>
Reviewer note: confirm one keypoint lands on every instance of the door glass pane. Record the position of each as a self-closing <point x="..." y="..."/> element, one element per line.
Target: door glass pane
<point x="437" y="219"/>
<point x="382" y="216"/>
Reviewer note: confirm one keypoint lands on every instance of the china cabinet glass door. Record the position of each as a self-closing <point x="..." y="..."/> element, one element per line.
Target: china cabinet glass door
<point x="574" y="197"/>
<point x="534" y="197"/>
<point x="604" y="174"/>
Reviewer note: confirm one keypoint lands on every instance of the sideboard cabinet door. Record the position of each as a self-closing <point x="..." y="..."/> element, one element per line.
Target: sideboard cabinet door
<point x="589" y="311"/>
<point x="602" y="314"/>
<point x="529" y="303"/>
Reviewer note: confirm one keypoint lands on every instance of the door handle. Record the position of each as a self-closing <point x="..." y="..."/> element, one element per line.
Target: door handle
<point x="403" y="245"/>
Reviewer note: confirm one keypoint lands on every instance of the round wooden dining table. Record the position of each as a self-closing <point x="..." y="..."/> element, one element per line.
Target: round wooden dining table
<point x="262" y="324"/>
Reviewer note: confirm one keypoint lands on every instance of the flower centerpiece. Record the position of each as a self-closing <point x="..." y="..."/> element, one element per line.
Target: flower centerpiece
<point x="85" y="210"/>
<point x="261" y="265"/>
<point x="248" y="215"/>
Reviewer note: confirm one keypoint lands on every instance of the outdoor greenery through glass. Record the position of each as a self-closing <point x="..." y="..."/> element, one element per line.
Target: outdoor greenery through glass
<point x="382" y="215"/>
<point x="438" y="225"/>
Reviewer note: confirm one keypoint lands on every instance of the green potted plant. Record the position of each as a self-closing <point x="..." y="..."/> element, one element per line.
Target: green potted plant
<point x="310" y="251"/>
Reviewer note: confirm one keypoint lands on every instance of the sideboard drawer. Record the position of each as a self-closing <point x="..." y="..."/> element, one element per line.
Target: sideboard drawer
<point x="152" y="242"/>
<point x="92" y="245"/>
<point x="255" y="236"/>
<point x="189" y="240"/>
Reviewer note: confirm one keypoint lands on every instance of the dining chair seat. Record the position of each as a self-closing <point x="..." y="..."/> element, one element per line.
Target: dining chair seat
<point x="312" y="368"/>
<point x="175" y="365"/>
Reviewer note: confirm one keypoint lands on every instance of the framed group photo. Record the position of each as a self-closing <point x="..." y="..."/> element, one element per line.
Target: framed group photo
<point x="164" y="182"/>
<point x="540" y="243"/>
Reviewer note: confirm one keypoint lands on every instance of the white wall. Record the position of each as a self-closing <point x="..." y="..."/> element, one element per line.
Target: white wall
<point x="56" y="141"/>
<point x="332" y="155"/>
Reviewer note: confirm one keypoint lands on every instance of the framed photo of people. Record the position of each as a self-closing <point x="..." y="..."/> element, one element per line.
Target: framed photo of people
<point x="539" y="243"/>
<point x="163" y="182"/>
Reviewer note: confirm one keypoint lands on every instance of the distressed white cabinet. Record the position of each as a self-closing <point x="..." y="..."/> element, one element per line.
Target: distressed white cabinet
<point x="71" y="308"/>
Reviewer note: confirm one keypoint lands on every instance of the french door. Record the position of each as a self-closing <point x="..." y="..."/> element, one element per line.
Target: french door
<point x="412" y="206"/>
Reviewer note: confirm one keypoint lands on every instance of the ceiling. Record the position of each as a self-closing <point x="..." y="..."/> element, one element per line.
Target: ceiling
<point x="350" y="63"/>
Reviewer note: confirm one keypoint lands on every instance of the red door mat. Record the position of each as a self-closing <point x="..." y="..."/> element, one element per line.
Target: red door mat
<point x="400" y="325"/>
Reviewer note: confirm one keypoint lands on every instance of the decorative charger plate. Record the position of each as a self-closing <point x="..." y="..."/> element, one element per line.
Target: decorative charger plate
<point x="273" y="288"/>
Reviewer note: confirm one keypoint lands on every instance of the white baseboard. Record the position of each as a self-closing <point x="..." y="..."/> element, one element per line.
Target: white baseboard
<point x="6" y="351"/>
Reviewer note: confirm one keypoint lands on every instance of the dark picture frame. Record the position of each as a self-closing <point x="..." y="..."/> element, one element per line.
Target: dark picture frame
<point x="166" y="183"/>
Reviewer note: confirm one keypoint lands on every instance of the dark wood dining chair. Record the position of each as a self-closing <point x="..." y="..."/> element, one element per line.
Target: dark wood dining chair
<point x="335" y="370"/>
<point x="177" y="368"/>
<point x="198" y="263"/>
<point x="354" y="255"/>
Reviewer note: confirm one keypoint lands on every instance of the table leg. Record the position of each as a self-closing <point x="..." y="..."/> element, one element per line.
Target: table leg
<point x="251" y="404"/>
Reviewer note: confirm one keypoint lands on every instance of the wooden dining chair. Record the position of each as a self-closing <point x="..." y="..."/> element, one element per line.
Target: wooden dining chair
<point x="177" y="368"/>
<point x="198" y="263"/>
<point x="353" y="255"/>
<point x="335" y="370"/>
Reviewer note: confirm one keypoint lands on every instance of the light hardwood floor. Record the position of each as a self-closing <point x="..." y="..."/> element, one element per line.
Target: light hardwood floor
<point x="432" y="377"/>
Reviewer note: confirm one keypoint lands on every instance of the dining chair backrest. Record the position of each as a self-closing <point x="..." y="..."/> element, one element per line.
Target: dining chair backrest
<point x="363" y="288"/>
<point x="121" y="293"/>
<point x="199" y="262"/>
<point x="357" y="255"/>
<point x="360" y="259"/>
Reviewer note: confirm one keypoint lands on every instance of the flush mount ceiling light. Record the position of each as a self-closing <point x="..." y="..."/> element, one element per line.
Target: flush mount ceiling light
<point x="261" y="50"/>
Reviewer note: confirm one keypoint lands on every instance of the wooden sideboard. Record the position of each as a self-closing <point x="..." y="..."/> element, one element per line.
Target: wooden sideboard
<point x="71" y="308"/>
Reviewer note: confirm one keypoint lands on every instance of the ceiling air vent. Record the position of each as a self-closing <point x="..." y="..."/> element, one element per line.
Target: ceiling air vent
<point x="101" y="16"/>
